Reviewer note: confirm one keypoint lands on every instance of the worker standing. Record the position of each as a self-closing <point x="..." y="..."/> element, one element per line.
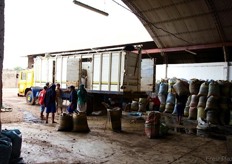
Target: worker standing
<point x="59" y="100"/>
<point x="72" y="99"/>
<point x="50" y="102"/>
<point x="82" y="99"/>
<point x="41" y="98"/>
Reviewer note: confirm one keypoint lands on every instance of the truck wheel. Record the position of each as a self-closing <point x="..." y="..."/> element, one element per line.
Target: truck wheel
<point x="30" y="98"/>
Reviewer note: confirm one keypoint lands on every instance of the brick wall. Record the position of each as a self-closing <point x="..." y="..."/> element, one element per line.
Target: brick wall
<point x="9" y="79"/>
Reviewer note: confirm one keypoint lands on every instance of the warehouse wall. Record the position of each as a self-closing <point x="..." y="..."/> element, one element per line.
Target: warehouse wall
<point x="204" y="71"/>
<point x="9" y="78"/>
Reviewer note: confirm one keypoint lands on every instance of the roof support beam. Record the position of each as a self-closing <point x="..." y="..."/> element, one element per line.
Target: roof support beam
<point x="90" y="8"/>
<point x="194" y="47"/>
<point x="216" y="18"/>
<point x="225" y="52"/>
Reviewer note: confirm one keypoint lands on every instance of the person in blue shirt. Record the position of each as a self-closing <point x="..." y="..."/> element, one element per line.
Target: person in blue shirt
<point x="72" y="99"/>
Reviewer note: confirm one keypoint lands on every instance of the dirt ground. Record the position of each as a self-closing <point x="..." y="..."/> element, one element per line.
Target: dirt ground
<point x="43" y="143"/>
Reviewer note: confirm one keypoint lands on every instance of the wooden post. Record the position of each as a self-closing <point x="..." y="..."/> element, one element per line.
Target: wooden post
<point x="2" y="30"/>
<point x="165" y="57"/>
<point x="225" y="52"/>
<point x="154" y="76"/>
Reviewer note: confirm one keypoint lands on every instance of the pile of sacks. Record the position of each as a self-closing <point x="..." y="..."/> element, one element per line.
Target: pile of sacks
<point x="209" y="100"/>
<point x="76" y="122"/>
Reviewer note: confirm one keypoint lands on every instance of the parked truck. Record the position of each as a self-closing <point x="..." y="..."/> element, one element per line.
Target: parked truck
<point x="105" y="73"/>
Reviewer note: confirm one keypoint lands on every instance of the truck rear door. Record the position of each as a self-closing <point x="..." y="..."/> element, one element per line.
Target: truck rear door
<point x="147" y="74"/>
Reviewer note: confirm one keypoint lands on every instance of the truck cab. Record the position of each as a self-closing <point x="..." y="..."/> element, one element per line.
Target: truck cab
<point x="25" y="81"/>
<point x="26" y="86"/>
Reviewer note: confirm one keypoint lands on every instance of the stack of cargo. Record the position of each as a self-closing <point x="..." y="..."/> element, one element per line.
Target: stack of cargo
<point x="225" y="102"/>
<point x="193" y="107"/>
<point x="194" y="86"/>
<point x="208" y="100"/>
<point x="187" y="106"/>
<point x="201" y="107"/>
<point x="181" y="90"/>
<point x="212" y="104"/>
<point x="170" y="101"/>
<point x="203" y="92"/>
<point x="162" y="94"/>
<point x="76" y="122"/>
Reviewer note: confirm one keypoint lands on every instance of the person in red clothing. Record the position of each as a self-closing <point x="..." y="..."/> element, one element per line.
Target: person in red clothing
<point x="41" y="101"/>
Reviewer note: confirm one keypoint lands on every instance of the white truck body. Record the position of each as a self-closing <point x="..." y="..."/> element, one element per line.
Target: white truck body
<point x="108" y="71"/>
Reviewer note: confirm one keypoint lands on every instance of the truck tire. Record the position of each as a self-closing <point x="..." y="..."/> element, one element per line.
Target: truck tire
<point x="30" y="98"/>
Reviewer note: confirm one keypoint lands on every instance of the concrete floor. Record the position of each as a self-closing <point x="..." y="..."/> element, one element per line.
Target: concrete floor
<point x="42" y="143"/>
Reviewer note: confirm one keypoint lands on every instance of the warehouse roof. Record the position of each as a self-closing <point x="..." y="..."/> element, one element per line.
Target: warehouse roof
<point x="189" y="31"/>
<point x="184" y="23"/>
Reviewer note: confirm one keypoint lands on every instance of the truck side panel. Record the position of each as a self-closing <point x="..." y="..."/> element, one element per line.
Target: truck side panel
<point x="97" y="72"/>
<point x="44" y="70"/>
<point x="131" y="79"/>
<point x="63" y="69"/>
<point x="107" y="75"/>
<point x="59" y="73"/>
<point x="147" y="71"/>
<point x="105" y="71"/>
<point x="116" y="72"/>
<point x="51" y="70"/>
<point x="72" y="76"/>
<point x="37" y="71"/>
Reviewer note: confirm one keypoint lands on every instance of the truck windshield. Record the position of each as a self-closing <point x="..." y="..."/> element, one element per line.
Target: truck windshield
<point x="29" y="76"/>
<point x="23" y="76"/>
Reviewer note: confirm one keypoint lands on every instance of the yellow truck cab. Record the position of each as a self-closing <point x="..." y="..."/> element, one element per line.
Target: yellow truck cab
<point x="26" y="86"/>
<point x="25" y="81"/>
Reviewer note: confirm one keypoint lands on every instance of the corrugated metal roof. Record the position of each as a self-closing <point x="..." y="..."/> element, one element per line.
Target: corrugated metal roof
<point x="175" y="23"/>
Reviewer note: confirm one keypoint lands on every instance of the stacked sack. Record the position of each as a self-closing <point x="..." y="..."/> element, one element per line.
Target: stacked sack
<point x="208" y="100"/>
<point x="212" y="103"/>
<point x="194" y="105"/>
<point x="225" y="102"/>
<point x="202" y="94"/>
<point x="187" y="106"/>
<point x="170" y="101"/>
<point x="162" y="94"/>
<point x="194" y="88"/>
<point x="76" y="122"/>
<point x="181" y="89"/>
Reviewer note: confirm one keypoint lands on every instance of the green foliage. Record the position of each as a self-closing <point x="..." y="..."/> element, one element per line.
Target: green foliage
<point x="18" y="68"/>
